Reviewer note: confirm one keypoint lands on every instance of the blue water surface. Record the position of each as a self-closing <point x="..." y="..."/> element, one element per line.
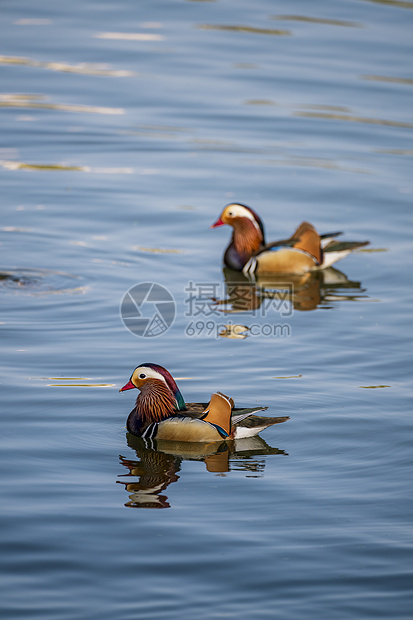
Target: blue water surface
<point x="125" y="129"/>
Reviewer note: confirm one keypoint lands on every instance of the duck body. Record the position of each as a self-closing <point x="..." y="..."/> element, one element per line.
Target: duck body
<point x="281" y="260"/>
<point x="304" y="251"/>
<point x="185" y="428"/>
<point x="160" y="412"/>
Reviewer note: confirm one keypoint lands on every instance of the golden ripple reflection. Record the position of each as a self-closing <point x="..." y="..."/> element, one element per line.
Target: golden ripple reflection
<point x="317" y="20"/>
<point x="130" y="36"/>
<point x="397" y="3"/>
<point x="99" y="385"/>
<point x="20" y="165"/>
<point x="82" y="68"/>
<point x="157" y="250"/>
<point x="387" y="78"/>
<point x="329" y="108"/>
<point x="354" y="119"/>
<point x="259" y="102"/>
<point x="18" y="100"/>
<point x="244" y="29"/>
<point x="373" y="387"/>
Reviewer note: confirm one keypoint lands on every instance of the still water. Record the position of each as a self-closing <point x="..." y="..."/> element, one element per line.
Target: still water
<point x="125" y="128"/>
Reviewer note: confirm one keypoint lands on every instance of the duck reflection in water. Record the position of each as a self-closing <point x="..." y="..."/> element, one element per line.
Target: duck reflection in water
<point x="283" y="293"/>
<point x="159" y="462"/>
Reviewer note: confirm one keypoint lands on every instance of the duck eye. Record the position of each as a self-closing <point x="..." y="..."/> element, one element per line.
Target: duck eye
<point x="230" y="213"/>
<point x="142" y="376"/>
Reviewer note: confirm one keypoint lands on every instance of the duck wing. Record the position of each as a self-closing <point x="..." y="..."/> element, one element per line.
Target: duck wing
<point x="327" y="237"/>
<point x="241" y="415"/>
<point x="282" y="243"/>
<point x="254" y="421"/>
<point x="291" y="241"/>
<point x="197" y="410"/>
<point x="344" y="246"/>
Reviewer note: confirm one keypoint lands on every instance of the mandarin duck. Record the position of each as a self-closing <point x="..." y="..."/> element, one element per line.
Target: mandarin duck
<point x="304" y="251"/>
<point x="161" y="413"/>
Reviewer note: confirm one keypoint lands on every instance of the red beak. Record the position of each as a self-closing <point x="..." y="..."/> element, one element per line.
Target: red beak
<point x="219" y="222"/>
<point x="128" y="386"/>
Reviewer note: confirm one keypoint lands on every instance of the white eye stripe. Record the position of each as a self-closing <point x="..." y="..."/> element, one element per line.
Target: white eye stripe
<point x="240" y="211"/>
<point x="149" y="373"/>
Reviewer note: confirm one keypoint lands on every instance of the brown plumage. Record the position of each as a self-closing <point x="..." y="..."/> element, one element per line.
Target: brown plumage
<point x="246" y="237"/>
<point x="160" y="412"/>
<point x="308" y="240"/>
<point x="155" y="402"/>
<point x="304" y="251"/>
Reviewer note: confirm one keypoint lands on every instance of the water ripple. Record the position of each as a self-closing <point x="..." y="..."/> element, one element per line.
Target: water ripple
<point x="40" y="282"/>
<point x="244" y="29"/>
<point x="387" y="78"/>
<point x="32" y="101"/>
<point x="317" y="20"/>
<point x="396" y="3"/>
<point x="355" y="119"/>
<point x="82" y="68"/>
<point x="129" y="36"/>
<point x="20" y="165"/>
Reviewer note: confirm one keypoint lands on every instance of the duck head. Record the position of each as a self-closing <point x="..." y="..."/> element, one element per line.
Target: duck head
<point x="159" y="395"/>
<point x="238" y="216"/>
<point x="248" y="234"/>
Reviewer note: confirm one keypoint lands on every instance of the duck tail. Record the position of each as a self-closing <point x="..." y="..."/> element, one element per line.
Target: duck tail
<point x="335" y="250"/>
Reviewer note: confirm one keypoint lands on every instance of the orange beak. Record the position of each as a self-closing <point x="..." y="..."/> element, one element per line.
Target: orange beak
<point x="219" y="222"/>
<point x="128" y="386"/>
